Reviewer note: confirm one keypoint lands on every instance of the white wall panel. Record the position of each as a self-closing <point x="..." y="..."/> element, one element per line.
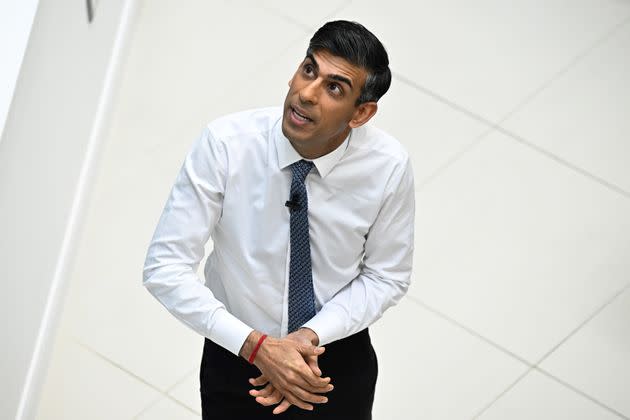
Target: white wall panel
<point x="47" y="153"/>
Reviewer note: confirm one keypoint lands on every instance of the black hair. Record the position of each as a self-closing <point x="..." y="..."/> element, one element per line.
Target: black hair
<point x="354" y="43"/>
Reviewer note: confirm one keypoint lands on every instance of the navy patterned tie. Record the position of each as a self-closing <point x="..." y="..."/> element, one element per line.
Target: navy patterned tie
<point x="301" y="295"/>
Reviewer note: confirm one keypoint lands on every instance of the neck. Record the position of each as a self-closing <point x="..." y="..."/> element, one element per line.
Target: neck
<point x="313" y="152"/>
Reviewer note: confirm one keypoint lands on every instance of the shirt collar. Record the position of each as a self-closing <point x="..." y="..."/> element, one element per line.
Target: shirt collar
<point x="288" y="155"/>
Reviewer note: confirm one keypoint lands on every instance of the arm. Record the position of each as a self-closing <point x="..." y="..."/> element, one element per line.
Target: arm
<point x="177" y="247"/>
<point x="383" y="281"/>
<point x="386" y="269"/>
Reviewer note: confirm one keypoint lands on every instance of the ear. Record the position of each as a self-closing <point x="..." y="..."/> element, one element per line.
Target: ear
<point x="363" y="113"/>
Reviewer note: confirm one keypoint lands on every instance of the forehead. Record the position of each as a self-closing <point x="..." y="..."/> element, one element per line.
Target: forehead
<point x="330" y="64"/>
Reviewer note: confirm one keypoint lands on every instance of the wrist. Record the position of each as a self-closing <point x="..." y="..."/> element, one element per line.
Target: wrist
<point x="250" y="343"/>
<point x="310" y="335"/>
<point x="252" y="356"/>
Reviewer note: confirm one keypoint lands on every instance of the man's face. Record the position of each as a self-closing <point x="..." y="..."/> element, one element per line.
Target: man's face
<point x="319" y="109"/>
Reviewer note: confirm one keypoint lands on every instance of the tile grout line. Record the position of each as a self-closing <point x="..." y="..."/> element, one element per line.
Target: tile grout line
<point x="563" y="162"/>
<point x="140" y="379"/>
<point x="174" y="400"/>
<point x="497" y="126"/>
<point x="453" y="159"/>
<point x="154" y="403"/>
<point x="492" y="126"/>
<point x="154" y="148"/>
<point x="183" y="378"/>
<point x="502" y="393"/>
<point x="582" y="393"/>
<point x="535" y="366"/>
<point x="572" y="333"/>
<point x="607" y="303"/>
<point x="304" y="26"/>
<point x="442" y="99"/>
<point x="337" y="10"/>
<point x="148" y="407"/>
<point x="572" y="63"/>
<point x="530" y="367"/>
<point x="278" y="13"/>
<point x="469" y="330"/>
<point x="117" y="365"/>
<point x="559" y="381"/>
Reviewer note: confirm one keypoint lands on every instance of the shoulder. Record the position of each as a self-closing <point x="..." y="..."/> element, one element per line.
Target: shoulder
<point x="375" y="145"/>
<point x="251" y="123"/>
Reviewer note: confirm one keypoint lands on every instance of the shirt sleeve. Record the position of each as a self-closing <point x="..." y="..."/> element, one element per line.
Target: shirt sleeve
<point x="189" y="216"/>
<point x="386" y="267"/>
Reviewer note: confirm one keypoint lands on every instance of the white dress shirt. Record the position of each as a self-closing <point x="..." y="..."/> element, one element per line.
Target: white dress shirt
<point x="233" y="185"/>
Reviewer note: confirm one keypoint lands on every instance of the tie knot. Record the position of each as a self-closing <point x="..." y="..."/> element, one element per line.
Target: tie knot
<point x="301" y="168"/>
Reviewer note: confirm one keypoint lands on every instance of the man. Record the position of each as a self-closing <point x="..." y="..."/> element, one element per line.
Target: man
<point x="311" y="212"/>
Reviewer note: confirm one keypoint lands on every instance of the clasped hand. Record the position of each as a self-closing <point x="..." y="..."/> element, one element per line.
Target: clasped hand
<point x="290" y="372"/>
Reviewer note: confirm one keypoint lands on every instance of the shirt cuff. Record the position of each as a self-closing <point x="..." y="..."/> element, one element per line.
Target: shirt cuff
<point x="228" y="331"/>
<point x="327" y="325"/>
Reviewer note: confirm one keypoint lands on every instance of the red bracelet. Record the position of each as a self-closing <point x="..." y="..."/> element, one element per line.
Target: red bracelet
<point x="253" y="355"/>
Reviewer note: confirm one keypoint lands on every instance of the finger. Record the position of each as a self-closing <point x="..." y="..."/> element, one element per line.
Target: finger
<point x="296" y="401"/>
<point x="265" y="392"/>
<point x="304" y="380"/>
<point x="272" y="399"/>
<point x="310" y="350"/>
<point x="311" y="361"/>
<point x="284" y="406"/>
<point x="260" y="381"/>
<point x="307" y="374"/>
<point x="309" y="397"/>
<point x="312" y="379"/>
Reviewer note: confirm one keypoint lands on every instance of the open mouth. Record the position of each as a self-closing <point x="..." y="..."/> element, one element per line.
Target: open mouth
<point x="298" y="116"/>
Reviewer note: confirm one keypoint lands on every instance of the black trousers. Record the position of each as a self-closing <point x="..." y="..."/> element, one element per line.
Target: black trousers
<point x="350" y="362"/>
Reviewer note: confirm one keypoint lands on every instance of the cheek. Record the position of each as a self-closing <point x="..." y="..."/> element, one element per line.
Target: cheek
<point x="339" y="113"/>
<point x="334" y="121"/>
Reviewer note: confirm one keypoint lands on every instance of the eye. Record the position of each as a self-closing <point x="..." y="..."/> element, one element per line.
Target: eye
<point x="308" y="69"/>
<point x="335" y="88"/>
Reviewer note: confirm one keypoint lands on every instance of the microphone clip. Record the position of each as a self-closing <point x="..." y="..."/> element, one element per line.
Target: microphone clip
<point x="293" y="203"/>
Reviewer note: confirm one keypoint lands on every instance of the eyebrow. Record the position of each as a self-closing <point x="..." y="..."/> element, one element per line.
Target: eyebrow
<point x="331" y="76"/>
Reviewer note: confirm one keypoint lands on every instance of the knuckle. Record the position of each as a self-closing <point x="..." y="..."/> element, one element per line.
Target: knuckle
<point x="301" y="394"/>
<point x="286" y="391"/>
<point x="314" y="383"/>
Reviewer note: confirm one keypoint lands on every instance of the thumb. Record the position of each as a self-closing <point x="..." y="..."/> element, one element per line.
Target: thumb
<point x="312" y="363"/>
<point x="310" y="350"/>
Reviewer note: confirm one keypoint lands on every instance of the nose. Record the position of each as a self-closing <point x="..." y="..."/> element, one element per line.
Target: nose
<point x="309" y="92"/>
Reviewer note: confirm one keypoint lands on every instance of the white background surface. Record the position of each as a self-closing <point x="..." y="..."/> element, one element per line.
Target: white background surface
<point x="16" y="19"/>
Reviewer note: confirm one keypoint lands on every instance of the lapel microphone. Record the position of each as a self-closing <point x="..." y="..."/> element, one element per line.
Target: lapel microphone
<point x="293" y="204"/>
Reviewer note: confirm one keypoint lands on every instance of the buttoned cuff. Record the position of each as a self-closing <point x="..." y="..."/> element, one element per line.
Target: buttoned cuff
<point x="228" y="331"/>
<point x="328" y="326"/>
